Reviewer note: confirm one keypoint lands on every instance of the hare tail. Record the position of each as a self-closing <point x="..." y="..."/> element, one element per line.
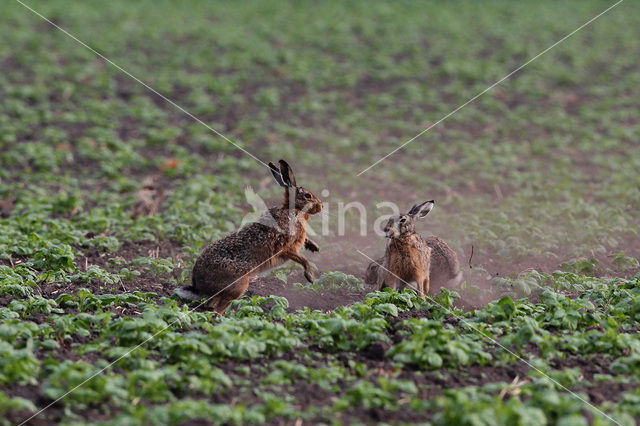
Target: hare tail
<point x="189" y="293"/>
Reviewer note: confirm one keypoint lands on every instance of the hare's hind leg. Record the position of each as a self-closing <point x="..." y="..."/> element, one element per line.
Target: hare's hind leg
<point x="386" y="279"/>
<point x="425" y="286"/>
<point x="230" y="294"/>
<point x="415" y="283"/>
<point x="419" y="286"/>
<point x="212" y="302"/>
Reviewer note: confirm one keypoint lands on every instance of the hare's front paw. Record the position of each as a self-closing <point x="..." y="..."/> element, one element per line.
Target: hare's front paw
<point x="312" y="246"/>
<point x="309" y="276"/>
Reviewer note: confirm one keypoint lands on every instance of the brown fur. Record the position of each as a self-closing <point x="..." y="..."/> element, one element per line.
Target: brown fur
<point x="406" y="263"/>
<point x="224" y="268"/>
<point x="411" y="260"/>
<point x="444" y="269"/>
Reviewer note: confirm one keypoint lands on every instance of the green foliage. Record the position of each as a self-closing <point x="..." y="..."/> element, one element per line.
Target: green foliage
<point x="165" y="352"/>
<point x="430" y="345"/>
<point x="282" y="272"/>
<point x="8" y="404"/>
<point x="622" y="262"/>
<point x="526" y="284"/>
<point x="581" y="266"/>
<point x="383" y="394"/>
<point x="17" y="365"/>
<point x="471" y="407"/>
<point x="334" y="280"/>
<point x="69" y="374"/>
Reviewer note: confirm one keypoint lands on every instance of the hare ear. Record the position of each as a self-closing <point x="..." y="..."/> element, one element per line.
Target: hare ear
<point x="277" y="175"/>
<point x="421" y="210"/>
<point x="287" y="174"/>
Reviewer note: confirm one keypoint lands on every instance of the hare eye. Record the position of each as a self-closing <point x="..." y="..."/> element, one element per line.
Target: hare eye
<point x="307" y="195"/>
<point x="403" y="220"/>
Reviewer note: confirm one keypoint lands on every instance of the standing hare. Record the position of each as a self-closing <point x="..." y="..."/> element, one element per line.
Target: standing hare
<point x="412" y="260"/>
<point x="223" y="270"/>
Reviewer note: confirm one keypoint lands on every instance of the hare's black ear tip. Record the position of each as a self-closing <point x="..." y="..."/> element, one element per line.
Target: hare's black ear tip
<point x="431" y="201"/>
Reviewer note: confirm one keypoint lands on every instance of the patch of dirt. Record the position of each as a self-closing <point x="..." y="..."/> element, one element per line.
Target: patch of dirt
<point x="149" y="197"/>
<point x="13" y="260"/>
<point x="6" y="207"/>
<point x="302" y="298"/>
<point x="5" y="300"/>
<point x="605" y="268"/>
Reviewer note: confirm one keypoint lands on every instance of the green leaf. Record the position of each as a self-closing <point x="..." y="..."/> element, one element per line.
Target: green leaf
<point x="434" y="360"/>
<point x="387" y="308"/>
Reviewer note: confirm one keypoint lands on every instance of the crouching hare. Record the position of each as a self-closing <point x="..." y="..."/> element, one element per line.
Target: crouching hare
<point x="411" y="260"/>
<point x="223" y="270"/>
